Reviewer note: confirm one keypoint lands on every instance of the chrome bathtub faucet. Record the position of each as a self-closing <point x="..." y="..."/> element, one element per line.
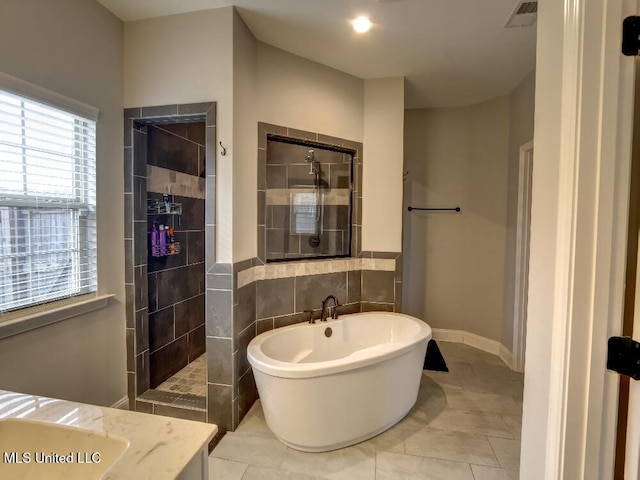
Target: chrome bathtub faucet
<point x="334" y="313"/>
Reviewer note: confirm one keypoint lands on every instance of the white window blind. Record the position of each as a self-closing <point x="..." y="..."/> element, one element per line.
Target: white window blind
<point x="47" y="203"/>
<point x="304" y="210"/>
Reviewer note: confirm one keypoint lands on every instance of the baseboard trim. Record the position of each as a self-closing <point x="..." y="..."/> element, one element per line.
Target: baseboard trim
<point x="476" y="341"/>
<point x="506" y="356"/>
<point x="122" y="404"/>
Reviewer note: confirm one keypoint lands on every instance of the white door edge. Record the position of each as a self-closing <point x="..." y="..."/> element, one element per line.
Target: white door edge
<point x="584" y="88"/>
<point x="522" y="255"/>
<point x="632" y="450"/>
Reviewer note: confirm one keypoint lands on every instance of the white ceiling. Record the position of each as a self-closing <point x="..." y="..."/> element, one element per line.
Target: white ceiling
<point x="452" y="52"/>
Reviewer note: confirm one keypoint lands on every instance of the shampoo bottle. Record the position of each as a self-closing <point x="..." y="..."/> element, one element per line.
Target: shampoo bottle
<point x="162" y="241"/>
<point x="154" y="240"/>
<point x="167" y="239"/>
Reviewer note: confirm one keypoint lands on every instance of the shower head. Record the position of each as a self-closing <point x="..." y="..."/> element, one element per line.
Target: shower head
<point x="314" y="166"/>
<point x="310" y="157"/>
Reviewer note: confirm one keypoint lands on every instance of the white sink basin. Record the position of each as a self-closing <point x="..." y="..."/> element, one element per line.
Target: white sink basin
<point x="39" y="450"/>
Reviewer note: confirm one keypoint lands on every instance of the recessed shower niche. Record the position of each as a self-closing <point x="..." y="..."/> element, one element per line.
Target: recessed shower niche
<point x="308" y="200"/>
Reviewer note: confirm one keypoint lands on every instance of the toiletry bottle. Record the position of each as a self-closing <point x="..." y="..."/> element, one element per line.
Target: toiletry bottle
<point x="154" y="239"/>
<point x="167" y="202"/>
<point x="172" y="242"/>
<point x="167" y="239"/>
<point x="162" y="241"/>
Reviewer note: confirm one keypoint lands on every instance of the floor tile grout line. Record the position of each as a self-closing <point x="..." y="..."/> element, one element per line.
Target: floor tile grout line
<point x="375" y="465"/>
<point x="473" y="475"/>
<point x="495" y="454"/>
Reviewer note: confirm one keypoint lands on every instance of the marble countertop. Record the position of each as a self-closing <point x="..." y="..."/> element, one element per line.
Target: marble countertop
<point x="160" y="447"/>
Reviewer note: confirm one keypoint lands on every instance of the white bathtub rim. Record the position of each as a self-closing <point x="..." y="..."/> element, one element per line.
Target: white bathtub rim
<point x="276" y="368"/>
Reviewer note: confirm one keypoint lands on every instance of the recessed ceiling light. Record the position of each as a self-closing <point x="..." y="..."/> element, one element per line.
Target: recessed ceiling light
<point x="362" y="24"/>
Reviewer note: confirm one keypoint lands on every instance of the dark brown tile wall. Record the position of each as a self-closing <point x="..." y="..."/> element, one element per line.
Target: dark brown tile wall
<point x="354" y="286"/>
<point x="220" y="406"/>
<point x="220" y="343"/>
<point x="197" y="342"/>
<point x="184" y="413"/>
<point x="178" y="284"/>
<point x="170" y="151"/>
<point x="161" y="328"/>
<point x="247" y="395"/>
<point x="244" y="330"/>
<point x="219" y="311"/>
<point x="274" y="297"/>
<point x="310" y="290"/>
<point x="177" y="307"/>
<point x="378" y="286"/>
<point x="219" y="360"/>
<point x="244" y="313"/>
<point x="168" y="360"/>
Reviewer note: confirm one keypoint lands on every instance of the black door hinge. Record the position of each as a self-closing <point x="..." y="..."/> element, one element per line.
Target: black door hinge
<point x="623" y="356"/>
<point x="631" y="36"/>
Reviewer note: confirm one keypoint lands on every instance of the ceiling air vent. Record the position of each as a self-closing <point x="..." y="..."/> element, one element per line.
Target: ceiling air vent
<point x="524" y="15"/>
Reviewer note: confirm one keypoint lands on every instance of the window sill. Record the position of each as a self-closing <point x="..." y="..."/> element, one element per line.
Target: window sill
<point x="31" y="321"/>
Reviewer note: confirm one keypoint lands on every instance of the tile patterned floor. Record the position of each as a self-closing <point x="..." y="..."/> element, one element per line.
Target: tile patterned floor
<point x="465" y="426"/>
<point x="192" y="379"/>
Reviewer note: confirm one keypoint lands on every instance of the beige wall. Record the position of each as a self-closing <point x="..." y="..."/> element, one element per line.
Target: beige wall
<point x="75" y="48"/>
<point x="188" y="59"/>
<point x="454" y="263"/>
<point x="460" y="268"/>
<point x="299" y="93"/>
<point x="383" y="162"/>
<point x="245" y="141"/>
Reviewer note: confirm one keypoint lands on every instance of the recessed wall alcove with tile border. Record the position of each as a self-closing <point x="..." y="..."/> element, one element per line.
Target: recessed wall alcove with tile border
<point x="185" y="176"/>
<point x="343" y="157"/>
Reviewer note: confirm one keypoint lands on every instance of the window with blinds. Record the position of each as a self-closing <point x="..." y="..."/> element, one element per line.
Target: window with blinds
<point x="47" y="203"/>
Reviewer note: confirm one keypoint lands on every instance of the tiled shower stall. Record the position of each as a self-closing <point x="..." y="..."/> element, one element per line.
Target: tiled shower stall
<point x="168" y="150"/>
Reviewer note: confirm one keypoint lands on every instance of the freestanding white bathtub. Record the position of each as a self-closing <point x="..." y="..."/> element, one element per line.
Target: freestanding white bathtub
<point x="322" y="392"/>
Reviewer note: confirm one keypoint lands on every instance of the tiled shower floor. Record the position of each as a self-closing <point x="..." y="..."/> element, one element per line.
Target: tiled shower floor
<point x="465" y="426"/>
<point x="183" y="395"/>
<point x="191" y="379"/>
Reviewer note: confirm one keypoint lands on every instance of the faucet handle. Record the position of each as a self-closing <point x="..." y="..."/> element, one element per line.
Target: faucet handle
<point x="311" y="319"/>
<point x="334" y="311"/>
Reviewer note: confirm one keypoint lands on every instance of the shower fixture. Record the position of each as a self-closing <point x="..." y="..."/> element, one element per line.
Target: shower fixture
<point x="314" y="165"/>
<point x="314" y="169"/>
